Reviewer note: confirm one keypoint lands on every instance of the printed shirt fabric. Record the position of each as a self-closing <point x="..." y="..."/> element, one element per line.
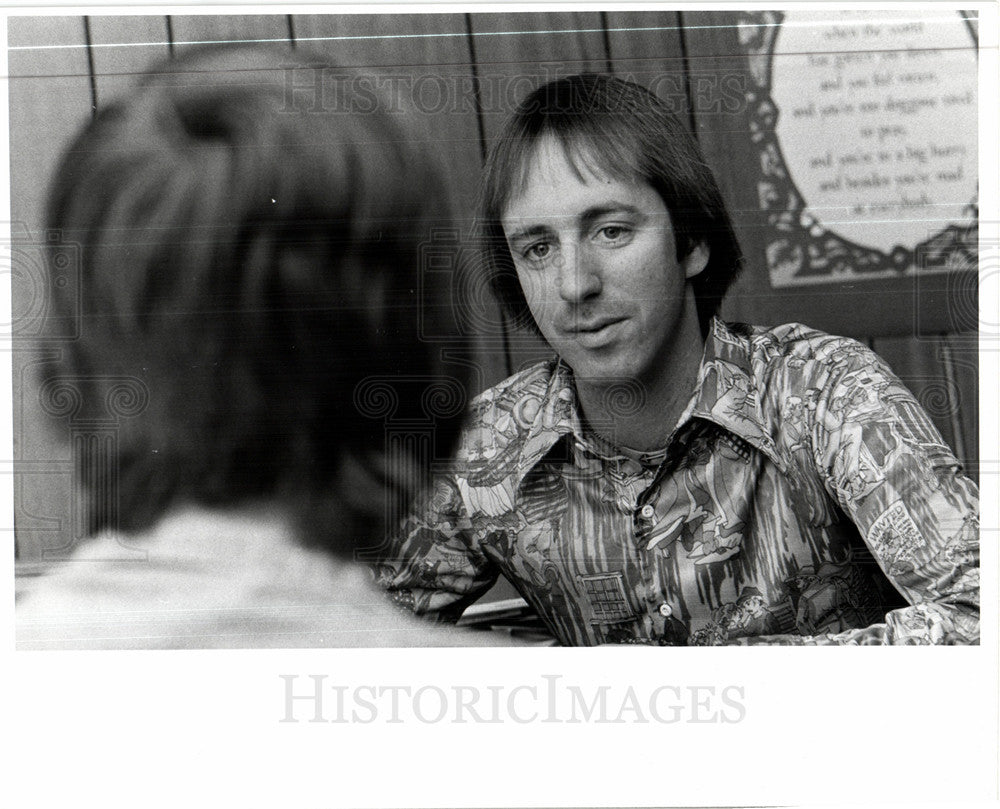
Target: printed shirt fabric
<point x="801" y="483"/>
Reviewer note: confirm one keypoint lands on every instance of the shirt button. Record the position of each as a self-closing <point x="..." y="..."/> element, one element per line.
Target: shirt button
<point x="647" y="512"/>
<point x="665" y="610"/>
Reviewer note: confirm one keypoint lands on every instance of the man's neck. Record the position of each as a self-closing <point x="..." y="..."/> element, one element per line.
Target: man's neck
<point x="610" y="409"/>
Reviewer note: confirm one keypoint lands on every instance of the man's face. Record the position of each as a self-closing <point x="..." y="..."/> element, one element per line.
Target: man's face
<point x="598" y="265"/>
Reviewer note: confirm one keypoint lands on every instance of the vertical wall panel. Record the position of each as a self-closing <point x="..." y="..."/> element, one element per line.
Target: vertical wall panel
<point x="515" y="53"/>
<point x="197" y="29"/>
<point x="942" y="372"/>
<point x="123" y="49"/>
<point x="646" y="47"/>
<point x="43" y="470"/>
<point x="50" y="99"/>
<point x="959" y="355"/>
<point x="918" y="364"/>
<point x="722" y="126"/>
<point x="424" y="61"/>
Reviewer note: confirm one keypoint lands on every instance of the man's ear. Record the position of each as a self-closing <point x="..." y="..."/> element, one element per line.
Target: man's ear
<point x="695" y="261"/>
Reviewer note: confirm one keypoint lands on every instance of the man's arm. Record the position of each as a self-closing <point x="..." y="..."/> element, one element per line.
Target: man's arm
<point x="880" y="457"/>
<point x="429" y="564"/>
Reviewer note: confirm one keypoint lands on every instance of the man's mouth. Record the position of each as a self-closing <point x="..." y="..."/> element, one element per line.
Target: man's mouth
<point x="593" y="333"/>
<point x="592" y="327"/>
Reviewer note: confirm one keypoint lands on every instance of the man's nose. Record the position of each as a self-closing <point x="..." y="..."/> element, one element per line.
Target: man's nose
<point x="580" y="276"/>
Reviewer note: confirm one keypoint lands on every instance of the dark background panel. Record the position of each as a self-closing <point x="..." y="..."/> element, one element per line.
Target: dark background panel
<point x="713" y="56"/>
<point x="959" y="356"/>
<point x="647" y="47"/>
<point x="942" y="373"/>
<point x="918" y="365"/>
<point x="516" y="52"/>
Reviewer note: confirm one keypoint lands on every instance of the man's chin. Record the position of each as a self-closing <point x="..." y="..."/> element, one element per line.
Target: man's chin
<point x="604" y="375"/>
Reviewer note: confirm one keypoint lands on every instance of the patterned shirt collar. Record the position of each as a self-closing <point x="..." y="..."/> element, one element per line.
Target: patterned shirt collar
<point x="725" y="394"/>
<point x="557" y="417"/>
<point x="731" y="385"/>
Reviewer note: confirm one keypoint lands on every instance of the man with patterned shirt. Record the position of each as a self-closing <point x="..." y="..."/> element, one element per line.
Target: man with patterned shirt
<point x="669" y="478"/>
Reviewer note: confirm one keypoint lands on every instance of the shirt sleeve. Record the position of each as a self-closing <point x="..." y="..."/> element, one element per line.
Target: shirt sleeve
<point x="882" y="460"/>
<point x="430" y="564"/>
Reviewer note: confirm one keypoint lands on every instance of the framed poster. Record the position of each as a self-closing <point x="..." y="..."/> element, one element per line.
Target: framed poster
<point x="858" y="159"/>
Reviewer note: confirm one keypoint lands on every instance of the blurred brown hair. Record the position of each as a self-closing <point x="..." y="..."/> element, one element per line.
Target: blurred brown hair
<point x="251" y="256"/>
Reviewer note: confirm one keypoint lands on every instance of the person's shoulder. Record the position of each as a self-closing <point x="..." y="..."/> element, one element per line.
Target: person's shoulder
<point x="534" y="379"/>
<point x="796" y="344"/>
<point x="502" y="418"/>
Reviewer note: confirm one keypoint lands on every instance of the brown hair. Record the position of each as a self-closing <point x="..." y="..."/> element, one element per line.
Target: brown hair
<point x="624" y="131"/>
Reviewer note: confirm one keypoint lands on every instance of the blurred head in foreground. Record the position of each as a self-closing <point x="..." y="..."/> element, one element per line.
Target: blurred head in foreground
<point x="249" y="248"/>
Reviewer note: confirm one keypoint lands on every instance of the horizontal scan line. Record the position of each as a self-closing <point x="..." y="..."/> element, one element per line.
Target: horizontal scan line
<point x="454" y="34"/>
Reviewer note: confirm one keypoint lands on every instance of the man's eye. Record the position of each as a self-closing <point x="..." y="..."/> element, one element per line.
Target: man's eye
<point x="614" y="233"/>
<point x="537" y="252"/>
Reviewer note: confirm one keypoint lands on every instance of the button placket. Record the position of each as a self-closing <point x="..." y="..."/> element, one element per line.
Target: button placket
<point x="643" y="521"/>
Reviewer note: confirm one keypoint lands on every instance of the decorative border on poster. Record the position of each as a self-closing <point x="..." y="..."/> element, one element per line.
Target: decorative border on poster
<point x="798" y="246"/>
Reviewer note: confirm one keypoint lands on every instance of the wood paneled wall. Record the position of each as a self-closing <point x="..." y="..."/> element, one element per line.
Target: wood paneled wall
<point x="64" y="68"/>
